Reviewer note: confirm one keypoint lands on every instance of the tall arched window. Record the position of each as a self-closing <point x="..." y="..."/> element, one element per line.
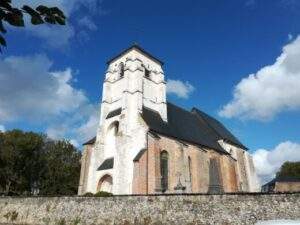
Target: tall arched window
<point x="121" y="67"/>
<point x="164" y="161"/>
<point x="110" y="139"/>
<point x="190" y="169"/>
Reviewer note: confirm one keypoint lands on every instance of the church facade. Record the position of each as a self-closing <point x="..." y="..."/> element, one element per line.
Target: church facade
<point x="146" y="145"/>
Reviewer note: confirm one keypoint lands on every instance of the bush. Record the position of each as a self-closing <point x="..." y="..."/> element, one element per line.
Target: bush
<point x="88" y="194"/>
<point x="103" y="194"/>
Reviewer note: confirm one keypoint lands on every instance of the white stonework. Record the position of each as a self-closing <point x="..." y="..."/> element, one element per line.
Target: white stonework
<point x="129" y="92"/>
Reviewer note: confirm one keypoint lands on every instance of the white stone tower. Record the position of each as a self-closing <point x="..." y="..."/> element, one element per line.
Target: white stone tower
<point x="134" y="79"/>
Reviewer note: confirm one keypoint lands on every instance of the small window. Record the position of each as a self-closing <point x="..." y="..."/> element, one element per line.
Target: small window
<point x="190" y="169"/>
<point x="121" y="70"/>
<point x="164" y="157"/>
<point x="147" y="73"/>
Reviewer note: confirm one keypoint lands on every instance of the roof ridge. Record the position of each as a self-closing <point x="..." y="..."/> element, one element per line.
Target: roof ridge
<point x="135" y="46"/>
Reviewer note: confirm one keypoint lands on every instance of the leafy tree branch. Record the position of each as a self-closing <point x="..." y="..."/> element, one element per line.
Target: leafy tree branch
<point x="15" y="17"/>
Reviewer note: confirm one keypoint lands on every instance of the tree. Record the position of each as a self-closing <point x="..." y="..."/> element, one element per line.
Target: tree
<point x="62" y="169"/>
<point x="289" y="169"/>
<point x="39" y="15"/>
<point x="31" y="161"/>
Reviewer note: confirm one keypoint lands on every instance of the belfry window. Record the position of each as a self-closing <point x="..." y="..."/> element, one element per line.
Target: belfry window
<point x="147" y="73"/>
<point x="122" y="70"/>
<point x="164" y="161"/>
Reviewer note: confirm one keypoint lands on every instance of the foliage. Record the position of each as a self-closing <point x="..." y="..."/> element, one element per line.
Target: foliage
<point x="103" y="194"/>
<point x="15" y="16"/>
<point x="88" y="194"/>
<point x="31" y="161"/>
<point x="98" y="194"/>
<point x="289" y="169"/>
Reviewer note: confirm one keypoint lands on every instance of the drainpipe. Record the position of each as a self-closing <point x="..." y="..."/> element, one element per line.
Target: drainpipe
<point x="147" y="136"/>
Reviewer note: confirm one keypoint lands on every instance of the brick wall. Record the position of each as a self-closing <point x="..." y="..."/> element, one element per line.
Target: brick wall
<point x="232" y="171"/>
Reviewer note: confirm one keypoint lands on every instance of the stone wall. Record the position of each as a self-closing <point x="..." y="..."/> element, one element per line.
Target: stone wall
<point x="150" y="210"/>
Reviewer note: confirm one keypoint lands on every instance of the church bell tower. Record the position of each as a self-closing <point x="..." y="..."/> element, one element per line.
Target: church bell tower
<point x="134" y="79"/>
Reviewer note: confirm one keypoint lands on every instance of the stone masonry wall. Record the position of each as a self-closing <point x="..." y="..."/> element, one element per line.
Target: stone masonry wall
<point x="150" y="210"/>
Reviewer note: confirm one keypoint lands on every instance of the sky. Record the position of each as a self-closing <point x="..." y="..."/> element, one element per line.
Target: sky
<point x="237" y="60"/>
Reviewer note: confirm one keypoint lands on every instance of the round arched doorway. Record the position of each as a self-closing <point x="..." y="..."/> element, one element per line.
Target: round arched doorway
<point x="105" y="184"/>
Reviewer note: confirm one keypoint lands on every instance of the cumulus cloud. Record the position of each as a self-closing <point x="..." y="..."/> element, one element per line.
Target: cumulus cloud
<point x="2" y="128"/>
<point x="59" y="36"/>
<point x="30" y="91"/>
<point x="273" y="89"/>
<point x="268" y="162"/>
<point x="182" y="89"/>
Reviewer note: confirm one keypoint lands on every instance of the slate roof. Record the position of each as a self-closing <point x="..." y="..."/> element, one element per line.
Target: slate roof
<point x="90" y="142"/>
<point x="282" y="179"/>
<point x="114" y="113"/>
<point x="218" y="128"/>
<point x="107" y="164"/>
<point x="137" y="47"/>
<point x="139" y="155"/>
<point x="193" y="127"/>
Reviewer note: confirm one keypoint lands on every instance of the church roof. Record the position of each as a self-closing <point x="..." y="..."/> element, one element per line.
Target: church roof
<point x="90" y="142"/>
<point x="107" y="164"/>
<point x="219" y="130"/>
<point x="191" y="126"/>
<point x="138" y="48"/>
<point x="194" y="127"/>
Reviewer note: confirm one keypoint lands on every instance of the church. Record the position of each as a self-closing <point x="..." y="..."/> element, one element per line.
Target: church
<point x="147" y="145"/>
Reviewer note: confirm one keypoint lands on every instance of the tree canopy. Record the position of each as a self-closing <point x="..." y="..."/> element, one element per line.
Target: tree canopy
<point x="15" y="16"/>
<point x="31" y="163"/>
<point x="289" y="169"/>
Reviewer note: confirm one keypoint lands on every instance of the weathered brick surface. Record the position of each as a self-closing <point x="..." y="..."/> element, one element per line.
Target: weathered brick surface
<point x="151" y="210"/>
<point x="148" y="168"/>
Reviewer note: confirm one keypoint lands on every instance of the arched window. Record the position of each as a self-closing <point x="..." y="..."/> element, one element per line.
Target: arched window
<point x="110" y="139"/>
<point x="164" y="161"/>
<point x="121" y="70"/>
<point x="105" y="184"/>
<point x="190" y="169"/>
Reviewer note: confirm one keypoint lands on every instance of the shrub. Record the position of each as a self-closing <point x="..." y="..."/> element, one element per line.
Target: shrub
<point x="88" y="194"/>
<point x="103" y="194"/>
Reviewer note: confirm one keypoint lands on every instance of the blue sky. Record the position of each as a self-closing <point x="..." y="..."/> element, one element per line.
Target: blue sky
<point x="52" y="77"/>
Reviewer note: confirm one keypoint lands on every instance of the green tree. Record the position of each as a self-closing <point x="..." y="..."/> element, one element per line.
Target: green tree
<point x="18" y="152"/>
<point x="289" y="169"/>
<point x="29" y="160"/>
<point x="14" y="16"/>
<point x="62" y="169"/>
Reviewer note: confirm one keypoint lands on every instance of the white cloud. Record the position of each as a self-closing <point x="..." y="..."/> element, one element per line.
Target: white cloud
<point x="273" y="89"/>
<point x="31" y="92"/>
<point x="86" y="22"/>
<point x="268" y="162"/>
<point x="290" y="37"/>
<point x="2" y="128"/>
<point x="75" y="143"/>
<point x="59" y="36"/>
<point x="182" y="89"/>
